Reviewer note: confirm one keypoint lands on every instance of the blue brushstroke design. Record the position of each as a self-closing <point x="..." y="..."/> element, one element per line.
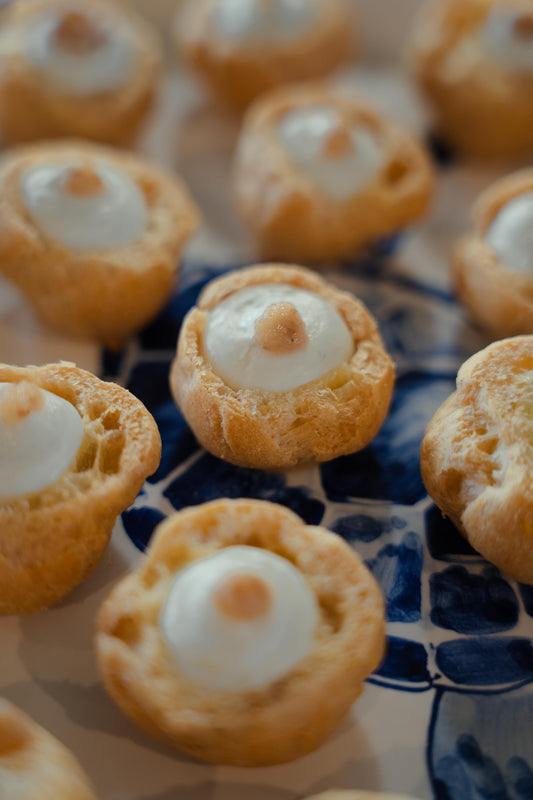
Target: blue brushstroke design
<point x="467" y="773"/>
<point x="398" y="570"/>
<point x="519" y="776"/>
<point x="486" y="661"/>
<point x="526" y="593"/>
<point x="139" y="524"/>
<point x="405" y="661"/>
<point x="364" y="528"/>
<point x="472" y="604"/>
<point x="444" y="541"/>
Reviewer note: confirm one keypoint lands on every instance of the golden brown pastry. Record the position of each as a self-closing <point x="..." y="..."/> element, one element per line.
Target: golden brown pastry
<point x="91" y="235"/>
<point x="86" y="68"/>
<point x="356" y="794"/>
<point x="318" y="175"/>
<point x="275" y="367"/>
<point x="493" y="262"/>
<point x="241" y="48"/>
<point x="34" y="764"/>
<point x="474" y="61"/>
<point x="477" y="455"/>
<point x="74" y="453"/>
<point x="244" y="636"/>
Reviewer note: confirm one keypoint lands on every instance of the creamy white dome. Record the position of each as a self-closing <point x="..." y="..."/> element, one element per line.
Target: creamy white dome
<point x="502" y="41"/>
<point x="511" y="233"/>
<point x="260" y="22"/>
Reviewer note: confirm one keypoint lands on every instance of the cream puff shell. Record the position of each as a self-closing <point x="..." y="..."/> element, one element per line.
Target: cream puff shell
<point x="336" y="414"/>
<point x="102" y="294"/>
<point x="273" y="723"/>
<point x="477" y="456"/>
<point x="52" y="539"/>
<point x="479" y="109"/>
<point x="30" y="110"/>
<point x="33" y="763"/>
<point x="289" y="216"/>
<point x="498" y="297"/>
<point x="236" y="73"/>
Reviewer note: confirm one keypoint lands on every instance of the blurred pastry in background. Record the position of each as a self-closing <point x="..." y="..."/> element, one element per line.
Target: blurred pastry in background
<point x="275" y="367"/>
<point x="244" y="636"/>
<point x="493" y="262"/>
<point x="477" y="455"/>
<point x="473" y="60"/>
<point x="91" y="235"/>
<point x="318" y="175"/>
<point x="33" y="763"/>
<point x="72" y="68"/>
<point x="74" y="453"/>
<point x="240" y="48"/>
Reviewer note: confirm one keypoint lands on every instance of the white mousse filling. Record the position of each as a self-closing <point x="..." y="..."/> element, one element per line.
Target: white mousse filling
<point x="507" y="38"/>
<point x="511" y="233"/>
<point x="339" y="160"/>
<point x="36" y="446"/>
<point x="80" y="72"/>
<point x="238" y="357"/>
<point x="114" y="215"/>
<point x="239" y="619"/>
<point x="262" y="21"/>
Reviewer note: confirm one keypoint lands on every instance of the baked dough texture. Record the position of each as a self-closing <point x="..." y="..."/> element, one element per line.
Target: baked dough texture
<point x="273" y="723"/>
<point x="355" y="794"/>
<point x="51" y="540"/>
<point x="104" y="294"/>
<point x="289" y="216"/>
<point x="31" y="110"/>
<point x="479" y="108"/>
<point x="497" y="296"/>
<point x="477" y="455"/>
<point x="34" y="764"/>
<point x="338" y="413"/>
<point x="238" y="72"/>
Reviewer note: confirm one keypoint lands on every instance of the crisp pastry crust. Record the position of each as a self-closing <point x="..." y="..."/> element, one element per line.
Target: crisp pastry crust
<point x="477" y="455"/>
<point x="278" y="721"/>
<point x="338" y="413"/>
<point x="356" y="794"/>
<point x="51" y="540"/>
<point x="237" y="72"/>
<point x="290" y="217"/>
<point x="480" y="109"/>
<point x="497" y="296"/>
<point x="105" y="294"/>
<point x="31" y="109"/>
<point x="33" y="763"/>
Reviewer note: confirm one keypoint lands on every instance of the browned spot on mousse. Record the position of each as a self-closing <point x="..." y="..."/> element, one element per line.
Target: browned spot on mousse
<point x="339" y="143"/>
<point x="523" y="26"/>
<point x="19" y="401"/>
<point x="83" y="182"/>
<point x="14" y="733"/>
<point x="78" y="33"/>
<point x="280" y="329"/>
<point x="243" y="597"/>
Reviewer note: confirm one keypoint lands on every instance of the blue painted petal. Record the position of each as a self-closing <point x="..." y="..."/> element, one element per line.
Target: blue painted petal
<point x="486" y="661"/>
<point x="139" y="524"/>
<point x="398" y="569"/>
<point x="405" y="661"/>
<point x="444" y="541"/>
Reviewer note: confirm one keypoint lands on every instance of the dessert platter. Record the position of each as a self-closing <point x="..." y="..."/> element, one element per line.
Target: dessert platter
<point x="266" y="401"/>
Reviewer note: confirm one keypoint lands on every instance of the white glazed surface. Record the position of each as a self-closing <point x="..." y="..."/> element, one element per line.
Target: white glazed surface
<point x="259" y="22"/>
<point x="511" y="233"/>
<point x="36" y="450"/>
<point x="115" y="217"/>
<point x="220" y="653"/>
<point x="502" y="45"/>
<point x="235" y="355"/>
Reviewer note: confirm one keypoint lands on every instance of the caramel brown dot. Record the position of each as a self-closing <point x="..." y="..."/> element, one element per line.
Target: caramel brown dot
<point x="19" y="401"/>
<point x="523" y="26"/>
<point x="280" y="329"/>
<point x="243" y="597"/>
<point x="14" y="732"/>
<point x="78" y="33"/>
<point x="339" y="143"/>
<point x="83" y="182"/>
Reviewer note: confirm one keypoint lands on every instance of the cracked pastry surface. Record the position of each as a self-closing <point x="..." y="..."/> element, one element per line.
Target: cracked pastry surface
<point x="326" y="393"/>
<point x="244" y="636"/>
<point x="318" y="175"/>
<point x="91" y="235"/>
<point x="493" y="262"/>
<point x="72" y="68"/>
<point x="473" y="60"/>
<point x="33" y="763"/>
<point x="241" y="48"/>
<point x="74" y="454"/>
<point x="477" y="455"/>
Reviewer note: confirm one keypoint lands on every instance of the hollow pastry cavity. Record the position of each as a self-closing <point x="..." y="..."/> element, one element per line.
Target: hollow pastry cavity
<point x="318" y="174"/>
<point x="256" y="22"/>
<point x="56" y="524"/>
<point x="33" y="763"/>
<point x="40" y="435"/>
<point x="85" y="207"/>
<point x="510" y="234"/>
<point x="283" y="620"/>
<point x="275" y="337"/>
<point x="77" y="51"/>
<point x="239" y="619"/>
<point x="477" y="455"/>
